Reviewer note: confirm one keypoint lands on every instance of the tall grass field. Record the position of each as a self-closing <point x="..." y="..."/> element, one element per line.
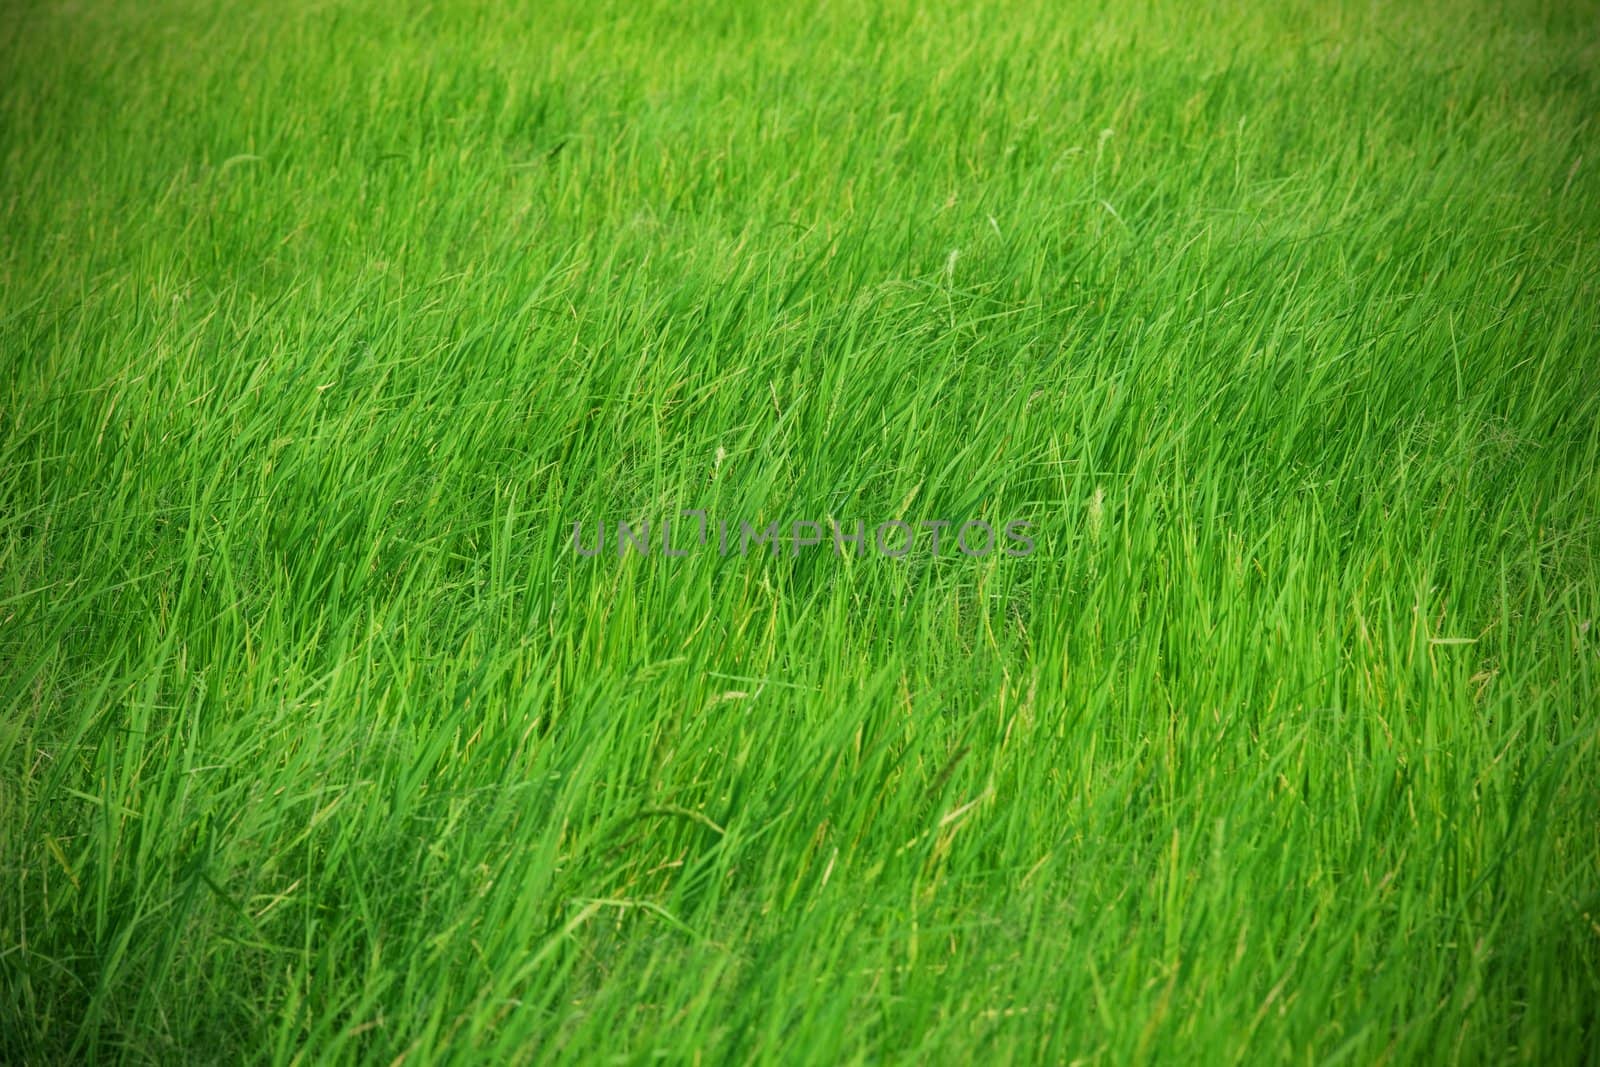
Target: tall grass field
<point x="734" y="532"/>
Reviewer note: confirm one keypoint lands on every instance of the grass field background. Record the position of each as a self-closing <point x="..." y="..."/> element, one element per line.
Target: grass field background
<point x="322" y="323"/>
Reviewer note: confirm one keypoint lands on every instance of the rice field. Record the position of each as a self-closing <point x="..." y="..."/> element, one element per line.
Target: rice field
<point x="493" y="555"/>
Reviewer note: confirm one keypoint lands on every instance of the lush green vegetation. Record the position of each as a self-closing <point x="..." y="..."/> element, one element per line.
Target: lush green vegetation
<point x="322" y="323"/>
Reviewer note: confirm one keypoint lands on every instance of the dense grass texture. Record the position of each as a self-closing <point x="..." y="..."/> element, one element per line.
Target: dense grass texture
<point x="322" y="323"/>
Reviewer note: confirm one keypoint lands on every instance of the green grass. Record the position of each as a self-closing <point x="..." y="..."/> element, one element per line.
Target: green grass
<point x="322" y="323"/>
